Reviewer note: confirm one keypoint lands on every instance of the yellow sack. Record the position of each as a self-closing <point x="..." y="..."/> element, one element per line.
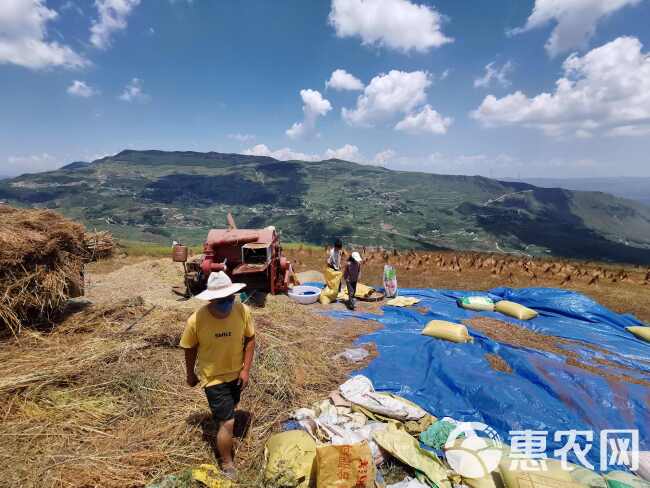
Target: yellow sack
<point x="441" y="329"/>
<point x="554" y="475"/>
<point x="347" y="466"/>
<point x="332" y="283"/>
<point x="290" y="459"/>
<point x="587" y="477"/>
<point x="515" y="310"/>
<point x="363" y="291"/>
<point x="403" y="301"/>
<point x="210" y="476"/>
<point x="641" y="332"/>
<point x="407" y="449"/>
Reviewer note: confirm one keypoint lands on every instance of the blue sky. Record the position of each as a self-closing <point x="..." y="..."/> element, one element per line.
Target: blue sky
<point x="82" y="79"/>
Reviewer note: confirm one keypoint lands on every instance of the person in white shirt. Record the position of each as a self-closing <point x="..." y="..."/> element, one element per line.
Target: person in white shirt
<point x="334" y="256"/>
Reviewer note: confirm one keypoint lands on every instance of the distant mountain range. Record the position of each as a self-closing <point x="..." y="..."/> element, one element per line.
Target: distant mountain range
<point x="160" y="196"/>
<point x="634" y="188"/>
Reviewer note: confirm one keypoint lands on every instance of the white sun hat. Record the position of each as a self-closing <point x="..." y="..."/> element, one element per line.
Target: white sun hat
<point x="219" y="286"/>
<point x="356" y="256"/>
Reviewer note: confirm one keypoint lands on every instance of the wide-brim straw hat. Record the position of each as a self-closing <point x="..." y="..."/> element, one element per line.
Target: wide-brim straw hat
<point x="220" y="286"/>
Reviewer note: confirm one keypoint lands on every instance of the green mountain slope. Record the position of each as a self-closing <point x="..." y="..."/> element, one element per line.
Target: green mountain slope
<point x="155" y="195"/>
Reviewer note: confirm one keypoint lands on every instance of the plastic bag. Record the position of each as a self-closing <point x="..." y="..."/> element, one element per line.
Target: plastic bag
<point x="289" y="459"/>
<point x="332" y="285"/>
<point x="641" y="332"/>
<point x="515" y="310"/>
<point x="390" y="281"/>
<point x="476" y="303"/>
<point x="441" y="329"/>
<point x="346" y="466"/>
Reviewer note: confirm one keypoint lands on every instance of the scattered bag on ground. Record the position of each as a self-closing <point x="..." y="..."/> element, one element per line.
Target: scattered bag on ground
<point x="476" y="303"/>
<point x="437" y="434"/>
<point x="359" y="390"/>
<point x="515" y="310"/>
<point x="408" y="483"/>
<point x="403" y="301"/>
<point x="449" y="331"/>
<point x="290" y="459"/>
<point x="623" y="479"/>
<point x="363" y="291"/>
<point x="332" y="284"/>
<point x="641" y="332"/>
<point x="406" y="448"/>
<point x="644" y="465"/>
<point x="345" y="466"/>
<point x="390" y="281"/>
<point x="519" y="475"/>
<point x="354" y="355"/>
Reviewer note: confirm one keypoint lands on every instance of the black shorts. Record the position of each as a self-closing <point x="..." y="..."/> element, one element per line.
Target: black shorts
<point x="222" y="399"/>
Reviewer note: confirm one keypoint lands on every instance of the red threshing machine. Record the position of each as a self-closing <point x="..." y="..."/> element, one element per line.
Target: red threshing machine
<point x="250" y="256"/>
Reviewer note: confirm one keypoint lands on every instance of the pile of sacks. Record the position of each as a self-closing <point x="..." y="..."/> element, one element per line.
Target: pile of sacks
<point x="341" y="442"/>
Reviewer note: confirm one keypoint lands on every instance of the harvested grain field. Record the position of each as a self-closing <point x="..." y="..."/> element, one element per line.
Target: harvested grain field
<point x="92" y="404"/>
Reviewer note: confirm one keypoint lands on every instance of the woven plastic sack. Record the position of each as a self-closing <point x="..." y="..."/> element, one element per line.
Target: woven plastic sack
<point x="515" y="310"/>
<point x="390" y="281"/>
<point x="449" y="331"/>
<point x="477" y="304"/>
<point x="345" y="466"/>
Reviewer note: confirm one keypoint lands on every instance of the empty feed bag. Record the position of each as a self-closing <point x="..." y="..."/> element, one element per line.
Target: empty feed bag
<point x="290" y="459"/>
<point x="641" y="332"/>
<point x="477" y="304"/>
<point x="449" y="331"/>
<point x="345" y="466"/>
<point x="515" y="310"/>
<point x="332" y="285"/>
<point x="516" y="473"/>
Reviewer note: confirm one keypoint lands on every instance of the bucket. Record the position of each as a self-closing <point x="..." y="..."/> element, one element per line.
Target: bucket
<point x="179" y="254"/>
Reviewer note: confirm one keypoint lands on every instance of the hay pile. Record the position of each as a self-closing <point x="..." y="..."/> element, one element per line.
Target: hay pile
<point x="41" y="264"/>
<point x="99" y="245"/>
<point x="92" y="405"/>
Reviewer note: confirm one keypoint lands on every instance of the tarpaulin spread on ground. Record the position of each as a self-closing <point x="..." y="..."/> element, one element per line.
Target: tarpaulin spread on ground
<point x="603" y="382"/>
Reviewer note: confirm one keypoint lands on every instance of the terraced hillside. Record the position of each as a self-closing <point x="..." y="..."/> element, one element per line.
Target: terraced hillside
<point x="157" y="196"/>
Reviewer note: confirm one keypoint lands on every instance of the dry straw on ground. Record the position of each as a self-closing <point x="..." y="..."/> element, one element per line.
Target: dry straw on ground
<point x="41" y="260"/>
<point x="98" y="245"/>
<point x="91" y="405"/>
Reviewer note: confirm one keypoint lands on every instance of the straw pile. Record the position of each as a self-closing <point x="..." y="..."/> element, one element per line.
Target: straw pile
<point x="99" y="245"/>
<point x="92" y="405"/>
<point x="41" y="264"/>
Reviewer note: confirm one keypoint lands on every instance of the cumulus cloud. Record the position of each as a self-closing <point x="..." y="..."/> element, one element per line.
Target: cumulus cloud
<point x="112" y="15"/>
<point x="346" y="153"/>
<point x="384" y="157"/>
<point x="133" y="92"/>
<point x="314" y="106"/>
<point x="284" y="154"/>
<point x="426" y="121"/>
<point x="495" y="73"/>
<point x="342" y="80"/>
<point x="607" y="91"/>
<point x="395" y="24"/>
<point x="23" y="37"/>
<point x="242" y="137"/>
<point x="81" y="89"/>
<point x="575" y="21"/>
<point x="387" y="95"/>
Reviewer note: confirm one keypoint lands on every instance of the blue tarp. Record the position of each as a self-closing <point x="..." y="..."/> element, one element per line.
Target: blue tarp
<point x="543" y="392"/>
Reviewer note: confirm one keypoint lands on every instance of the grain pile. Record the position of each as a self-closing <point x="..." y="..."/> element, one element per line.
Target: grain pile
<point x="99" y="245"/>
<point x="41" y="264"/>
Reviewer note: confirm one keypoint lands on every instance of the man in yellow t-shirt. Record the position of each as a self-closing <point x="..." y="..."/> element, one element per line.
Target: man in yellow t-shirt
<point x="219" y="343"/>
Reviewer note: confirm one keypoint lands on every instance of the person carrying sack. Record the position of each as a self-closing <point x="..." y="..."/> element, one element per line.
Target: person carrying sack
<point x="351" y="276"/>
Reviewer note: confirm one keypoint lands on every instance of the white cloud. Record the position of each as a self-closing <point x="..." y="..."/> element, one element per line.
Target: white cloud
<point x="384" y="157"/>
<point x="314" y="106"/>
<point x="426" y="121"/>
<point x="395" y="24"/>
<point x="133" y="92"/>
<point x="576" y="21"/>
<point x="388" y="95"/>
<point x="112" y="15"/>
<point x="606" y="90"/>
<point x="342" y="80"/>
<point x="284" y="154"/>
<point x="444" y="75"/>
<point x="32" y="163"/>
<point x="242" y="137"/>
<point x="70" y="5"/>
<point x="346" y="153"/>
<point x="81" y="89"/>
<point x="23" y="37"/>
<point x="496" y="74"/>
